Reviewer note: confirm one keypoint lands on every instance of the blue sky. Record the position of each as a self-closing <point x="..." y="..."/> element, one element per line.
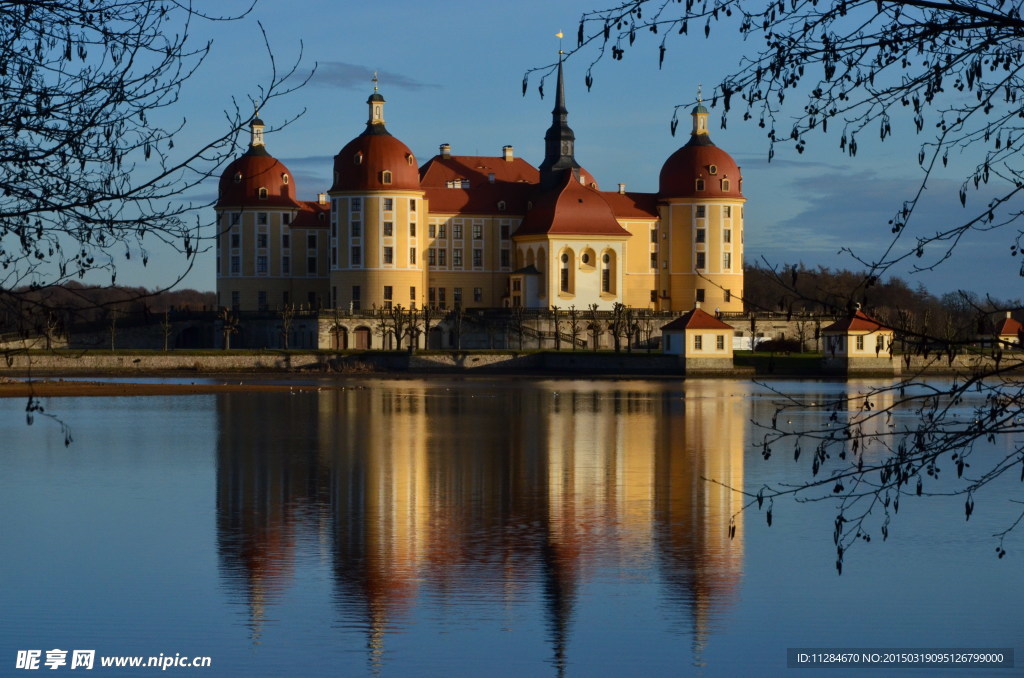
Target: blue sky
<point x="452" y="73"/>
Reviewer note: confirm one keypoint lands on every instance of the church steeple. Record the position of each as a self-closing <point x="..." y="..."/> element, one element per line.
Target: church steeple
<point x="559" y="141"/>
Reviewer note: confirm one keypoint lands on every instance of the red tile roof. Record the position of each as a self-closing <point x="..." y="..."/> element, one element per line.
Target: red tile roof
<point x="1010" y="327"/>
<point x="246" y="175"/>
<point x="309" y="215"/>
<point x="571" y="209"/>
<point x="632" y="205"/>
<point x="696" y="319"/>
<point x="858" y="322"/>
<point x="513" y="183"/>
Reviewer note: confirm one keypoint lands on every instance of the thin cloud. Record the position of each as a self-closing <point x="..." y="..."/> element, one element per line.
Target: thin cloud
<point x="354" y="76"/>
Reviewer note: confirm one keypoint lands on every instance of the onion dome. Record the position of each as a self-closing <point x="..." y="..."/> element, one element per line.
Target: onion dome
<point x="571" y="209"/>
<point x="700" y="169"/>
<point x="375" y="160"/>
<point x="256" y="178"/>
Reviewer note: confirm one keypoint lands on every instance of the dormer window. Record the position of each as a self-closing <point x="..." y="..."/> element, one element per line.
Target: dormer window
<point x="358" y="158"/>
<point x="410" y="159"/>
<point x="238" y="177"/>
<point x="385" y="177"/>
<point x="700" y="184"/>
<point x="725" y="184"/>
<point x="263" y="193"/>
<point x="501" y="206"/>
<point x="713" y="169"/>
<point x="284" y="179"/>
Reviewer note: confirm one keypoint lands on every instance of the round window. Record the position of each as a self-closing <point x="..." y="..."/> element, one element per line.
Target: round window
<point x="713" y="169"/>
<point x="606" y="259"/>
<point x="565" y="258"/>
<point x="586" y="258"/>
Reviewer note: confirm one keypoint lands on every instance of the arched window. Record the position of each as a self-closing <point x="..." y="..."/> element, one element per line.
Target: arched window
<point x="385" y="177"/>
<point x="700" y="184"/>
<point x="263" y="193"/>
<point x="238" y="177"/>
<point x="564" y="274"/>
<point x="725" y="184"/>
<point x="358" y="158"/>
<point x="608" y="273"/>
<point x="410" y="159"/>
<point x="284" y="179"/>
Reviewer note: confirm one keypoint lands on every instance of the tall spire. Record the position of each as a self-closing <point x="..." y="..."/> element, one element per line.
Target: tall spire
<point x="559" y="141"/>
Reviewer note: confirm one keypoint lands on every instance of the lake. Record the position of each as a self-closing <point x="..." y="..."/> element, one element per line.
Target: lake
<point x="470" y="527"/>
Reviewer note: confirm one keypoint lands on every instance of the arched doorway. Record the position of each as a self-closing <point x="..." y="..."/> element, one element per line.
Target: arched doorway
<point x="339" y="338"/>
<point x="362" y="337"/>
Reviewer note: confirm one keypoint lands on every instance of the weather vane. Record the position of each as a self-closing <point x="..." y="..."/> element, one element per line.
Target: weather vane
<point x="560" y="35"/>
<point x="375" y="80"/>
<point x="700" y="96"/>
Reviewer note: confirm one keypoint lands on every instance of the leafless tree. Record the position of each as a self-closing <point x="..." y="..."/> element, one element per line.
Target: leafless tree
<point x="91" y="172"/>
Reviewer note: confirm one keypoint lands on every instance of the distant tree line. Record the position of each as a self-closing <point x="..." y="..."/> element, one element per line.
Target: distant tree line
<point x="796" y="290"/>
<point x="57" y="308"/>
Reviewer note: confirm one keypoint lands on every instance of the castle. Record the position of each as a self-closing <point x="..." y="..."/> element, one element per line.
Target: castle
<point x="480" y="232"/>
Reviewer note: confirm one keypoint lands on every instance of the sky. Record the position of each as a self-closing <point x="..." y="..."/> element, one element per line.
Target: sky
<point x="452" y="73"/>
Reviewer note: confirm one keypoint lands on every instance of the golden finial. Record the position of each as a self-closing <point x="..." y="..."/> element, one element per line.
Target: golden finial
<point x="560" y="35"/>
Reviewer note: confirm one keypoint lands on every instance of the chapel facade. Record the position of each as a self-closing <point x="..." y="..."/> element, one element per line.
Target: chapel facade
<point x="480" y="231"/>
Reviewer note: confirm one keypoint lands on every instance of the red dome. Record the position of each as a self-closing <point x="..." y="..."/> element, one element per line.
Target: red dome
<point x="253" y="175"/>
<point x="362" y="164"/>
<point x="699" y="159"/>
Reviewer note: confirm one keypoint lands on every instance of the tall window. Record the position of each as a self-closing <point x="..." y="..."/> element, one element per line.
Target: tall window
<point x="357" y="206"/>
<point x="720" y="342"/>
<point x="432" y="230"/>
<point x="357" y="255"/>
<point x="389" y="255"/>
<point x="505" y="258"/>
<point x="236" y="240"/>
<point x="441" y="231"/>
<point x="311" y="265"/>
<point x="431" y="257"/>
<point x="412" y="204"/>
<point x="478" y="295"/>
<point x="261" y="218"/>
<point x="702" y="211"/>
<point x="654" y="235"/>
<point x="700" y="235"/>
<point x="389" y="229"/>
<point x="457" y="296"/>
<point x="412" y="255"/>
<point x="457" y="257"/>
<point x="700" y="294"/>
<point x="478" y="232"/>
<point x="286" y="265"/>
<point x="457" y="231"/>
<point x="236" y="265"/>
<point x="412" y="229"/>
<point x="356" y="294"/>
<point x="385" y="177"/>
<point x="357" y="229"/>
<point x="504" y="228"/>
<point x="286" y="241"/>
<point x="387" y="296"/>
<point x="389" y="204"/>
<point x="261" y="300"/>
<point x="698" y="342"/>
<point x="311" y="241"/>
<point x="654" y="260"/>
<point x="700" y="260"/>
<point x="564" y="274"/>
<point x="478" y="258"/>
<point x="442" y="256"/>
<point x="727" y="211"/>
<point x="727" y="260"/>
<point x="261" y="240"/>
<point x="261" y="265"/>
<point x="727" y="235"/>
<point x="606" y="280"/>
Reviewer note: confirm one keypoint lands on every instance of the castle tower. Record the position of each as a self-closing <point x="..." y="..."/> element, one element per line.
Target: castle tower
<point x="378" y="217"/>
<point x="264" y="260"/>
<point x="701" y="211"/>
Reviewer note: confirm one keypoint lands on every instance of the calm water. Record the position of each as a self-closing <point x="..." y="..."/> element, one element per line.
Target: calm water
<point x="466" y="528"/>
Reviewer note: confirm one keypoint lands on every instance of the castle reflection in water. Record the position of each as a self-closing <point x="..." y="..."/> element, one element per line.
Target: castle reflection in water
<point x="453" y="490"/>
